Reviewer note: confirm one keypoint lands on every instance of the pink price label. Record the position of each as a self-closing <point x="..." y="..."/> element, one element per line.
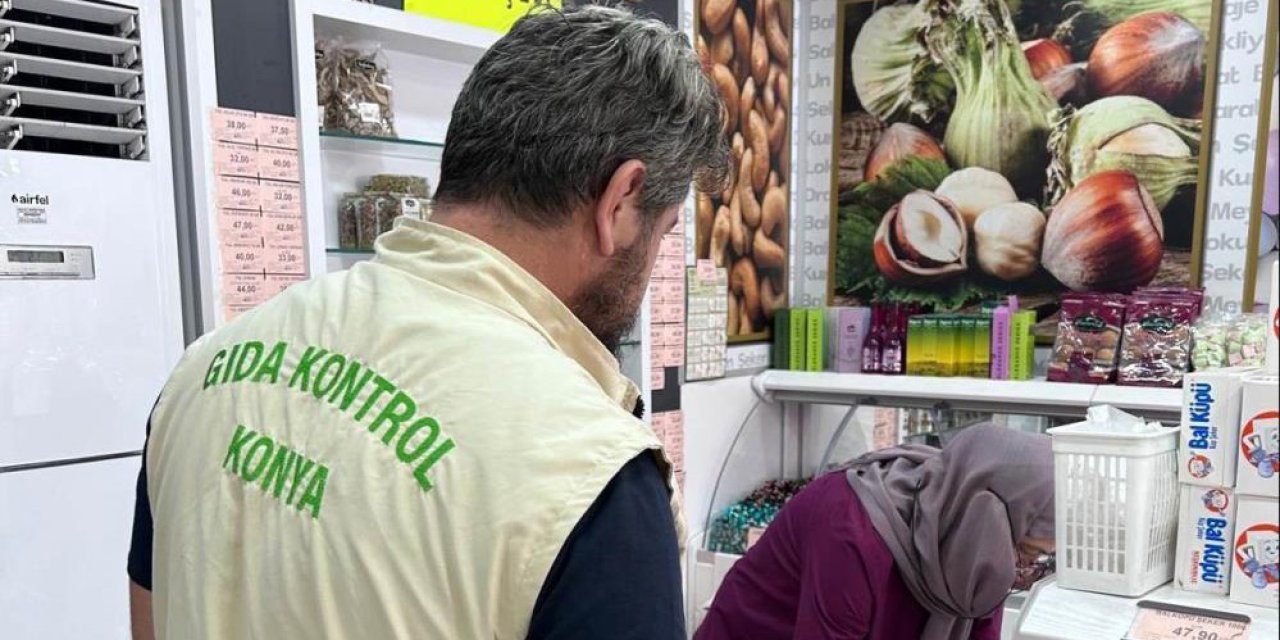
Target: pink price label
<point x="277" y="131"/>
<point x="1162" y="624"/>
<point x="278" y="283"/>
<point x="234" y="125"/>
<point x="240" y="227"/>
<point x="230" y="159"/>
<point x="706" y="271"/>
<point x="657" y="380"/>
<point x="281" y="197"/>
<point x="235" y="192"/>
<point x="278" y="164"/>
<point x="242" y="259"/>
<point x="286" y="261"/>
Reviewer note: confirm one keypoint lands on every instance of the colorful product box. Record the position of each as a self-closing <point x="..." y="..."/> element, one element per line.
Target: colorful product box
<point x="1210" y="421"/>
<point x="1259" y="436"/>
<point x="1206" y="537"/>
<point x="1255" y="574"/>
<point x="815" y="346"/>
<point x="1001" y="324"/>
<point x="849" y="331"/>
<point x="797" y="325"/>
<point x="1273" y="325"/>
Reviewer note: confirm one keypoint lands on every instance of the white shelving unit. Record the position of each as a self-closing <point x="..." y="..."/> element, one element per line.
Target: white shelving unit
<point x="428" y="61"/>
<point x="1031" y="397"/>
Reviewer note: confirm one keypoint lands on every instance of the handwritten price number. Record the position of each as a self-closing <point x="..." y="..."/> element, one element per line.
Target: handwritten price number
<point x="237" y="125"/>
<point x="246" y="288"/>
<point x="1196" y="633"/>
<point x="287" y="257"/>
<point x="282" y="163"/>
<point x="242" y="192"/>
<point x="279" y="130"/>
<point x="287" y="227"/>
<point x="247" y="256"/>
<point x="243" y="225"/>
<point x="283" y="196"/>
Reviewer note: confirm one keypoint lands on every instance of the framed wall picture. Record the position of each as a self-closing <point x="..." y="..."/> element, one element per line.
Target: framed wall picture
<point x="994" y="147"/>
<point x="1264" y="232"/>
<point x="746" y="47"/>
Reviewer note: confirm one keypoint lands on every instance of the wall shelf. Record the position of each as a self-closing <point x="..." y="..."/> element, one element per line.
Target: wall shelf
<point x="1030" y="397"/>
<point x="408" y="148"/>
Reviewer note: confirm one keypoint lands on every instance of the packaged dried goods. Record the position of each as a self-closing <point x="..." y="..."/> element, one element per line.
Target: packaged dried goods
<point x="1088" y="339"/>
<point x="359" y="88"/>
<point x="1156" y="347"/>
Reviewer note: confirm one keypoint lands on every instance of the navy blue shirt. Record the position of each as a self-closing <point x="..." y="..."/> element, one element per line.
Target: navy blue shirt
<point x="617" y="576"/>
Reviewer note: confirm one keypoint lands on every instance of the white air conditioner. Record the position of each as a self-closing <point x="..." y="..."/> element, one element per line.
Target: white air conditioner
<point x="90" y="313"/>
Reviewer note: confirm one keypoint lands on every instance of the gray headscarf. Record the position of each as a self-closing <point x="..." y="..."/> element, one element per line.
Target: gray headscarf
<point x="952" y="518"/>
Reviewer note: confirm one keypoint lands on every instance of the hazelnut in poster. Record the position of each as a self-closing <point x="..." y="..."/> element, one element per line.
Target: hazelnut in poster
<point x="994" y="147"/>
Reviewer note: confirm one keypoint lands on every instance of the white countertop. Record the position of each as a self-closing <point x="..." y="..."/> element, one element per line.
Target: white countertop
<point x="1054" y="613"/>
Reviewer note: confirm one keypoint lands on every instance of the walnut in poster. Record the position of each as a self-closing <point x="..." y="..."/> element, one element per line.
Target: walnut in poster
<point x="745" y="46"/>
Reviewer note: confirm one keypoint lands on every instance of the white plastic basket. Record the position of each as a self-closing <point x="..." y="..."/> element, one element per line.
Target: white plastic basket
<point x="1116" y="502"/>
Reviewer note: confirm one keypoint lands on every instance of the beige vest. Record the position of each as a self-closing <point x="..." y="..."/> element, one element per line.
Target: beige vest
<point x="396" y="451"/>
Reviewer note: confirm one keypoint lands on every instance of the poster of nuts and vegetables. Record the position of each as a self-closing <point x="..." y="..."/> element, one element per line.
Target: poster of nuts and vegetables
<point x="746" y="47"/>
<point x="990" y="147"/>
<point x="1265" y="213"/>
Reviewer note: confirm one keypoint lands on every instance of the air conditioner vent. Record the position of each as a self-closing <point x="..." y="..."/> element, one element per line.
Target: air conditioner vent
<point x="71" y="78"/>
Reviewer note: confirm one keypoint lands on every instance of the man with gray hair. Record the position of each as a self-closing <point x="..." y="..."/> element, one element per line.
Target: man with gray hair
<point x="438" y="443"/>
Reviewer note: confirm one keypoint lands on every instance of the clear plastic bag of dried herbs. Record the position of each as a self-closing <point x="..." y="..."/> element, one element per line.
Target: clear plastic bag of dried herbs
<point x="357" y="83"/>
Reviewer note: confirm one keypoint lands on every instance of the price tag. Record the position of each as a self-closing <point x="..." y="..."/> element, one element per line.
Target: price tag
<point x="240" y="227"/>
<point x="657" y="379"/>
<point x="1171" y="622"/>
<point x="706" y="271"/>
<point x="278" y="164"/>
<point x="234" y="125"/>
<point x="230" y="159"/>
<point x="277" y="131"/>
<point x="243" y="259"/>
<point x="278" y="283"/>
<point x="281" y="197"/>
<point x="235" y="192"/>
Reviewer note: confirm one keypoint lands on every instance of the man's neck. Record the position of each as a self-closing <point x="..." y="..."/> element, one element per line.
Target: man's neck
<point x="550" y="256"/>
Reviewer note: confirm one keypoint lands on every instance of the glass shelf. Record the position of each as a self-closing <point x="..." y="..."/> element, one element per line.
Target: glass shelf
<point x="345" y="142"/>
<point x="336" y="251"/>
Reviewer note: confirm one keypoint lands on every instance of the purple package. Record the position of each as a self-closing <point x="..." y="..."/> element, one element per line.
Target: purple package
<point x="852" y="325"/>
<point x="1001" y="322"/>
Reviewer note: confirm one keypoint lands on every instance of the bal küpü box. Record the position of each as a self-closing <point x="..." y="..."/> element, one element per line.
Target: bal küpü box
<point x="1255" y="574"/>
<point x="1210" y="418"/>
<point x="1206" y="533"/>
<point x="1273" y="324"/>
<point x="1258" y="444"/>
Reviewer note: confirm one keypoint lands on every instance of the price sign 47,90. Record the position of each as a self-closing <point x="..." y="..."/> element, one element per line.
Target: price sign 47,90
<point x="1162" y="621"/>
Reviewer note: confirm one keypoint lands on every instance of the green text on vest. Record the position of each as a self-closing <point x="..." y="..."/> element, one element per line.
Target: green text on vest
<point x="347" y="385"/>
<point x="257" y="458"/>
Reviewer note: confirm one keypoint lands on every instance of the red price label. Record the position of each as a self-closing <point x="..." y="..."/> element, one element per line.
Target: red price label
<point x="234" y="125"/>
<point x="281" y="197"/>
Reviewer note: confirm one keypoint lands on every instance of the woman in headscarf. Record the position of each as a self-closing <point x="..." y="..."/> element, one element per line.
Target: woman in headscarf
<point x="907" y="543"/>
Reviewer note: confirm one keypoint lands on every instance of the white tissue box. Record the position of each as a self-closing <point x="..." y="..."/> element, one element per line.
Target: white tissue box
<point x="1255" y="574"/>
<point x="1206" y="538"/>
<point x="1258" y="444"/>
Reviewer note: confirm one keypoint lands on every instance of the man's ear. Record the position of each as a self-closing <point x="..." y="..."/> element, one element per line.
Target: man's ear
<point x="618" y="211"/>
